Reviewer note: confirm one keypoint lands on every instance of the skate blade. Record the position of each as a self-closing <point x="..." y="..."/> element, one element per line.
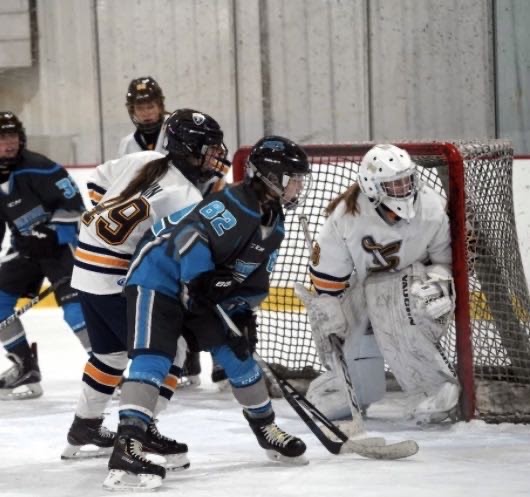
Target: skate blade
<point x="74" y="452"/>
<point x="23" y="392"/>
<point x="118" y="480"/>
<point x="295" y="461"/>
<point x="172" y="462"/>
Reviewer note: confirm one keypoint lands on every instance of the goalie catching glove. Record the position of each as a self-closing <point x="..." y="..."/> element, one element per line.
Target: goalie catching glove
<point x="434" y="292"/>
<point x="434" y="300"/>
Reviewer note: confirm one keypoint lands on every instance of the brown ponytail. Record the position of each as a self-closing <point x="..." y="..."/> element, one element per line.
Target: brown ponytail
<point x="151" y="172"/>
<point x="350" y="196"/>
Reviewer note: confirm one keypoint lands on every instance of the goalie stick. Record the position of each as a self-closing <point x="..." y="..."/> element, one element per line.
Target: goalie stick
<point x="308" y="411"/>
<point x="340" y="362"/>
<point x="34" y="301"/>
<point x="336" y="347"/>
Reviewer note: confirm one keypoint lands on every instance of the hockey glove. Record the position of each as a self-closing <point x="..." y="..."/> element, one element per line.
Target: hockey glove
<point x="41" y="243"/>
<point x="245" y="345"/>
<point x="209" y="289"/>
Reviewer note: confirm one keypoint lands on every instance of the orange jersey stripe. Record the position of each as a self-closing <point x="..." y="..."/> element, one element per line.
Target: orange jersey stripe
<point x="100" y="259"/>
<point x="106" y="379"/>
<point x="328" y="284"/>
<point x="94" y="196"/>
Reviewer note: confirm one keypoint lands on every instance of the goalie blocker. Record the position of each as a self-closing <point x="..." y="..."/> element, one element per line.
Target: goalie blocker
<point x="408" y="312"/>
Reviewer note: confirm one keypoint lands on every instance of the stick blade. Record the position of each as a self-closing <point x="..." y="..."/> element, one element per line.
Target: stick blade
<point x="399" y="450"/>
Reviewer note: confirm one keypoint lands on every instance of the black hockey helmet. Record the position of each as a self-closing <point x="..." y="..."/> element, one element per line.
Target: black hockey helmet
<point x="190" y="133"/>
<point x="10" y="124"/>
<point x="145" y="89"/>
<point x="275" y="160"/>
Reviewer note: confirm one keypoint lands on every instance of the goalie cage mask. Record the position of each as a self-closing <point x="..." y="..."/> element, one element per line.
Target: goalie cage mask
<point x="283" y="166"/>
<point x="388" y="176"/>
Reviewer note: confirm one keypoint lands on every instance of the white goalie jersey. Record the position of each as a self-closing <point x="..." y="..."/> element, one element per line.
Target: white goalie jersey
<point x="108" y="239"/>
<point x="365" y="244"/>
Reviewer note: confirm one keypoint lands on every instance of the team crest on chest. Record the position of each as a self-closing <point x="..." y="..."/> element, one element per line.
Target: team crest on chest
<point x="384" y="256"/>
<point x="315" y="254"/>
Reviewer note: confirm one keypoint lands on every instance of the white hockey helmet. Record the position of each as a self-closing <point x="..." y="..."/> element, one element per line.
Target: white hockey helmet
<point x="387" y="175"/>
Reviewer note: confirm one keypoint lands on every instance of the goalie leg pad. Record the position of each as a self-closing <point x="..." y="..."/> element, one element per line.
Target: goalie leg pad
<point x="411" y="354"/>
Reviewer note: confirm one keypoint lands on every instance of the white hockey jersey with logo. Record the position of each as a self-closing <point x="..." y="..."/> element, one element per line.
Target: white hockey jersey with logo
<point x="107" y="240"/>
<point x="365" y="243"/>
<point x="129" y="145"/>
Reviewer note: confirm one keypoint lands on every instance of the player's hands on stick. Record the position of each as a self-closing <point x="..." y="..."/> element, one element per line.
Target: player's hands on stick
<point x="245" y="344"/>
<point x="209" y="289"/>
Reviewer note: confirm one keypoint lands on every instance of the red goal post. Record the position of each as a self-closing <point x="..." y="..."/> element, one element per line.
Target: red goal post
<point x="489" y="340"/>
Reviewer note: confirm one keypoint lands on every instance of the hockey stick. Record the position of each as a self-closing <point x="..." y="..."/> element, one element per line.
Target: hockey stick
<point x="8" y="257"/>
<point x="308" y="411"/>
<point x="34" y="301"/>
<point x="338" y="355"/>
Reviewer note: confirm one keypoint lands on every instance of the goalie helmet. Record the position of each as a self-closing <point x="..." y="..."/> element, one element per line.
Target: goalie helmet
<point x="283" y="167"/>
<point x="387" y="175"/>
<point x="196" y="135"/>
<point x="144" y="90"/>
<point x="11" y="125"/>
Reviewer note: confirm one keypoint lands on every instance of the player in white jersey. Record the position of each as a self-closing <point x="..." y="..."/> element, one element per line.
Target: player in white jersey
<point x="130" y="195"/>
<point x="382" y="263"/>
<point x="145" y="104"/>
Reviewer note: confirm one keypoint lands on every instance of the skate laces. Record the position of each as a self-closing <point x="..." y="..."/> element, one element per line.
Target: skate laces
<point x="104" y="432"/>
<point x="134" y="449"/>
<point x="275" y="435"/>
<point x="156" y="434"/>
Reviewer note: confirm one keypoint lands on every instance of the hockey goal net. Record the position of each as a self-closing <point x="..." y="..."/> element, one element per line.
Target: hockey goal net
<point x="489" y="341"/>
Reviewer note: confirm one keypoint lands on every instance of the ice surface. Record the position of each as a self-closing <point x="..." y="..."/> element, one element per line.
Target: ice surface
<point x="466" y="459"/>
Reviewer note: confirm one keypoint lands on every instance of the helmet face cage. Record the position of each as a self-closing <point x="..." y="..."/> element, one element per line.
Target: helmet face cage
<point x="10" y="124"/>
<point x="144" y="90"/>
<point x="388" y="176"/>
<point x="284" y="169"/>
<point x="193" y="133"/>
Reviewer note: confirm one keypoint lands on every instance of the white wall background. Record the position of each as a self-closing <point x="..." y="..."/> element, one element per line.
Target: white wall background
<point x="321" y="71"/>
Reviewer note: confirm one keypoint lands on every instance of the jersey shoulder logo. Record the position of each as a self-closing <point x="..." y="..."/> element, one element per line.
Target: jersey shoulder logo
<point x="315" y="254"/>
<point x="384" y="257"/>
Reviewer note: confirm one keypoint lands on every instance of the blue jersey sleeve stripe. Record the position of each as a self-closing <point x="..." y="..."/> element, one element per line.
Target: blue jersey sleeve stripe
<point x="144" y="307"/>
<point x="241" y="206"/>
<point x="31" y="170"/>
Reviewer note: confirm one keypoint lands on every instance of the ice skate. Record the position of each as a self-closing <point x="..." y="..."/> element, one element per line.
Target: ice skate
<point x="128" y="468"/>
<point x="175" y="454"/>
<point x="279" y="445"/>
<point x="22" y="380"/>
<point x="88" y="438"/>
